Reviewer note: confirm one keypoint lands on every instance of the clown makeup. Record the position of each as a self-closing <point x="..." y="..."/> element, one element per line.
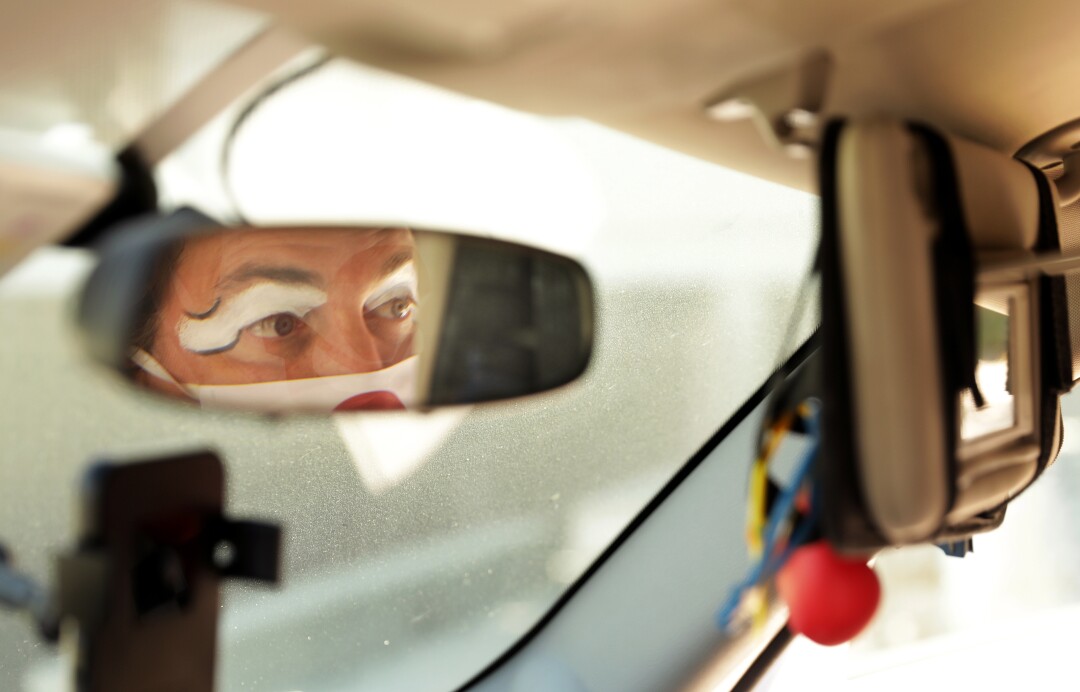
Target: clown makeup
<point x="395" y="296"/>
<point x="284" y="304"/>
<point x="280" y="307"/>
<point x="220" y="328"/>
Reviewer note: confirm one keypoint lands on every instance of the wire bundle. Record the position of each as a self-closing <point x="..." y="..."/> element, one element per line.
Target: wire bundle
<point x="773" y="533"/>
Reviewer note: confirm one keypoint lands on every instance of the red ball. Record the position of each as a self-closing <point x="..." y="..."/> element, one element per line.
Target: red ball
<point x="831" y="598"/>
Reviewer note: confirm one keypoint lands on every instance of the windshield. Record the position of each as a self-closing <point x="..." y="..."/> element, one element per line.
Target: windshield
<point x="420" y="547"/>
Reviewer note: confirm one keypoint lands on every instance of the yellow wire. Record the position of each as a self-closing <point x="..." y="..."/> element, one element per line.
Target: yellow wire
<point x="759" y="481"/>
<point x="757" y="516"/>
<point x="759" y="607"/>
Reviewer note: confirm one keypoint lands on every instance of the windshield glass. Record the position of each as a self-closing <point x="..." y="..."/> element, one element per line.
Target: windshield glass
<point x="419" y="547"/>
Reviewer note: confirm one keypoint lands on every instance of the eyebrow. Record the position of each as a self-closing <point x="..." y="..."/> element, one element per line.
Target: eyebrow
<point x="282" y="275"/>
<point x="395" y="262"/>
<point x="289" y="275"/>
<point x="210" y="334"/>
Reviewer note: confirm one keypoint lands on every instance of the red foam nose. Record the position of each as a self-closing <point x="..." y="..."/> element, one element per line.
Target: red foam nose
<point x="830" y="597"/>
<point x="371" y="401"/>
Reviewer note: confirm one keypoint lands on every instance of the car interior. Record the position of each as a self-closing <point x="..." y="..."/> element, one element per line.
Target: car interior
<point x="542" y="345"/>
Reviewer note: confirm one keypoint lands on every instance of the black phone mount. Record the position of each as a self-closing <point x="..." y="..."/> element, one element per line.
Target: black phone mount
<point x="140" y="593"/>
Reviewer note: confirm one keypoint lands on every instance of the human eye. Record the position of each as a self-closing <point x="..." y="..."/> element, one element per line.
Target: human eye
<point x="397" y="307"/>
<point x="276" y="326"/>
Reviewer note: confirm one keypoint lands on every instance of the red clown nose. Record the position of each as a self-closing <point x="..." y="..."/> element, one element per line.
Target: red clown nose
<point x="831" y="598"/>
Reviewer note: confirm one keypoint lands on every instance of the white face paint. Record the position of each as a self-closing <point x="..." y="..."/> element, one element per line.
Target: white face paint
<point x="401" y="283"/>
<point x="356" y="391"/>
<point x="391" y="302"/>
<point x="220" y="328"/>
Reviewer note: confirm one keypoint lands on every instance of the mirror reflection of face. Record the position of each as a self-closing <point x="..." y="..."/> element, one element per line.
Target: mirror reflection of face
<point x="267" y="305"/>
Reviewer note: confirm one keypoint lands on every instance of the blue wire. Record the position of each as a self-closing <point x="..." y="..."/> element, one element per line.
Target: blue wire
<point x="786" y="500"/>
<point x="765" y="567"/>
<point x="803" y="470"/>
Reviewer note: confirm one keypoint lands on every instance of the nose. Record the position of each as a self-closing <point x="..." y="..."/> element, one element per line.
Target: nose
<point x="346" y="345"/>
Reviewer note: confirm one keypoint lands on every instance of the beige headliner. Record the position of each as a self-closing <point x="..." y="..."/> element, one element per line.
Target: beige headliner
<point x="998" y="71"/>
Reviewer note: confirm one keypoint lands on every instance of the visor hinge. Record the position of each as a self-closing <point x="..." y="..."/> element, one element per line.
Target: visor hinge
<point x="785" y="103"/>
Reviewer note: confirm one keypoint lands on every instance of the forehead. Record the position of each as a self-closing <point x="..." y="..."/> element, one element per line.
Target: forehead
<point x="293" y="243"/>
<point x="209" y="258"/>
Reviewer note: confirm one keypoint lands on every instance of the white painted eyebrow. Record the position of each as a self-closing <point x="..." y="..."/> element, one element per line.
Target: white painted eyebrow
<point x="220" y="330"/>
<point x="403" y="277"/>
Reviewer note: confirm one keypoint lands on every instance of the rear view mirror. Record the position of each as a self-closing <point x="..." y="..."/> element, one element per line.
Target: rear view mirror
<point x="304" y="319"/>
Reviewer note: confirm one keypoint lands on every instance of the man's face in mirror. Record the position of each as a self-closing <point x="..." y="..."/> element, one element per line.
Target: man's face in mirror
<point x="266" y="305"/>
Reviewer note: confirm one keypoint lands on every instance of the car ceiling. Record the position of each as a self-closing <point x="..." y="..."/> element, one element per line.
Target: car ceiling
<point x="112" y="65"/>
<point x="992" y="70"/>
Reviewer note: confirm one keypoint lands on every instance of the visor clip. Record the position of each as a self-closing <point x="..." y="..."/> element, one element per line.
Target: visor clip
<point x="786" y="103"/>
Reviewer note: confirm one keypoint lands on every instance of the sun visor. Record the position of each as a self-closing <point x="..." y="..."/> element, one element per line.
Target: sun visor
<point x="999" y="195"/>
<point x="1070" y="242"/>
<point x="940" y="387"/>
